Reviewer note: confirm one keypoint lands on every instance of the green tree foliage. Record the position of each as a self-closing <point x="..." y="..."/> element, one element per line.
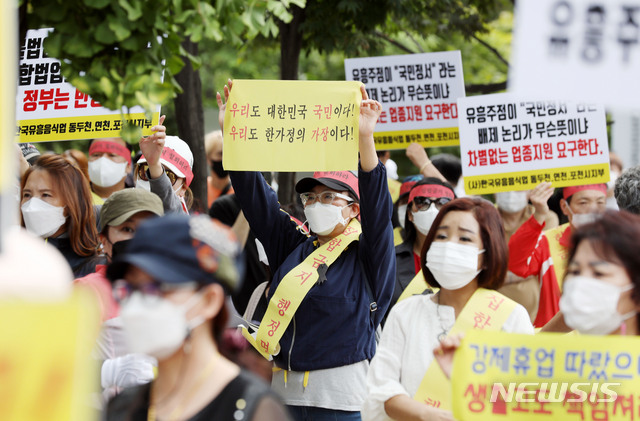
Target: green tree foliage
<point x="118" y="51"/>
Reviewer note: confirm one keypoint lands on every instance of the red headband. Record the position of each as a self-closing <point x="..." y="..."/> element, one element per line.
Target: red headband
<point x="570" y="191"/>
<point x="430" y="190"/>
<point x="105" y="146"/>
<point x="176" y="163"/>
<point x="346" y="177"/>
<point x="406" y="187"/>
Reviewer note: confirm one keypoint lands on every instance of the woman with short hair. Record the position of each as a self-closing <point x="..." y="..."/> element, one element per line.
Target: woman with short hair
<point x="465" y="256"/>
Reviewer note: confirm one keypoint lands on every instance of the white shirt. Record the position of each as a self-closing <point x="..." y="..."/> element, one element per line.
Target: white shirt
<point x="406" y="349"/>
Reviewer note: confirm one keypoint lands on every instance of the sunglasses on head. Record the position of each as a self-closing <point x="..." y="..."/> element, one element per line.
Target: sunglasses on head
<point x="142" y="173"/>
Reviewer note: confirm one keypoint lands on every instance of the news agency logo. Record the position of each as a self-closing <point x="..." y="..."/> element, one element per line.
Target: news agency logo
<point x="554" y="392"/>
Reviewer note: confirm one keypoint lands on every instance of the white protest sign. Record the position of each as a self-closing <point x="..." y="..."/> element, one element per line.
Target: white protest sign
<point x="625" y="136"/>
<point x="586" y="50"/>
<point x="49" y="108"/>
<point x="418" y="93"/>
<point x="509" y="143"/>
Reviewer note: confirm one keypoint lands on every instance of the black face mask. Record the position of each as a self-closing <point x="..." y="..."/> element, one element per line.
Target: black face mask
<point x="118" y="248"/>
<point x="216" y="167"/>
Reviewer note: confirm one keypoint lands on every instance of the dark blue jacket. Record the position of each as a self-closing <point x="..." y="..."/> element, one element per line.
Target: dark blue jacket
<point x="333" y="325"/>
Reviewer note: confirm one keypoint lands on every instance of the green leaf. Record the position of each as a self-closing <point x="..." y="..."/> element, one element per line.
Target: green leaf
<point x="106" y="85"/>
<point x="133" y="8"/>
<point x="97" y="4"/>
<point x="104" y="34"/>
<point x="80" y="84"/>
<point x="130" y="133"/>
<point x="118" y="28"/>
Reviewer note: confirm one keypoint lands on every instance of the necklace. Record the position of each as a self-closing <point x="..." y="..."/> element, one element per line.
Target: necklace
<point x="177" y="412"/>
<point x="444" y="332"/>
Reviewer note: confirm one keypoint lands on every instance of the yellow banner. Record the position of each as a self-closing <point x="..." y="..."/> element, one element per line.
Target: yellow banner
<point x="294" y="287"/>
<point x="46" y="370"/>
<point x="428" y="138"/>
<point x="546" y="377"/>
<point x="85" y="127"/>
<point x="417" y="286"/>
<point x="526" y="180"/>
<point x="277" y="125"/>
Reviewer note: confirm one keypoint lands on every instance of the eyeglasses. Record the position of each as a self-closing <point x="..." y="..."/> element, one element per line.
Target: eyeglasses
<point x="326" y="197"/>
<point x="423" y="203"/>
<point x="142" y="173"/>
<point x="123" y="289"/>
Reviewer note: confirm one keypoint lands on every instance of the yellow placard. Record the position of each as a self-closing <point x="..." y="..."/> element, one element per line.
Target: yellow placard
<point x="292" y="126"/>
<point x="428" y="138"/>
<point x="547" y="376"/>
<point x="85" y="127"/>
<point x="46" y="369"/>
<point x="525" y="180"/>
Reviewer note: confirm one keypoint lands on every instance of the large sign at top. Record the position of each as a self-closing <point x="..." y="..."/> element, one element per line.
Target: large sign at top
<point x="585" y="50"/>
<point x="50" y="108"/>
<point x="418" y="92"/>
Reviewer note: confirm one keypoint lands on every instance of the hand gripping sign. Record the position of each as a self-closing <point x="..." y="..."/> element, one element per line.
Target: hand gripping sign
<point x="275" y="125"/>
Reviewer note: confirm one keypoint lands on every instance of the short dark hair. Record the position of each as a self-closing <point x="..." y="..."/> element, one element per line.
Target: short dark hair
<point x="449" y="166"/>
<point x="627" y="190"/>
<point x="616" y="238"/>
<point x="496" y="255"/>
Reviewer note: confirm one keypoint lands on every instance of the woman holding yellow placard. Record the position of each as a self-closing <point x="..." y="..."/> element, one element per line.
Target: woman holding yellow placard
<point x="464" y="255"/>
<point x="330" y="289"/>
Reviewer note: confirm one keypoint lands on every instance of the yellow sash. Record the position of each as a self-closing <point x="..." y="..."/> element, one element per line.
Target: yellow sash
<point x="417" y="286"/>
<point x="485" y="310"/>
<point x="559" y="253"/>
<point x="293" y="288"/>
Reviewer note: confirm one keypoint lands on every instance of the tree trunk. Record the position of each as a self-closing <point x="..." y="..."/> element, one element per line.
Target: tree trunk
<point x="290" y="47"/>
<point x="190" y="119"/>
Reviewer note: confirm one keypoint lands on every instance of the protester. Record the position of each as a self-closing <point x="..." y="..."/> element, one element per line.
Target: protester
<point x="627" y="190"/>
<point x="218" y="183"/>
<point x="166" y="169"/>
<point x="325" y="351"/>
<point x="178" y="270"/>
<point x="120" y="215"/>
<point x="464" y="255"/>
<point x="109" y="164"/>
<point x="514" y="208"/>
<point x="400" y="207"/>
<point x="532" y="252"/>
<point x="450" y="167"/>
<point x="56" y="205"/>
<point x="29" y="152"/>
<point x="600" y="294"/>
<point x="426" y="198"/>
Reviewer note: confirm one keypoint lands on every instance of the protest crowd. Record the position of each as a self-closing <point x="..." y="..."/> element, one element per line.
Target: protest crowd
<point x="351" y="303"/>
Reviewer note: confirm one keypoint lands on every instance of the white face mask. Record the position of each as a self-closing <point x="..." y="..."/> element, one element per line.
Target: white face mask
<point x="423" y="220"/>
<point x="590" y="306"/>
<point x="144" y="185"/>
<point x="453" y="265"/>
<point x="580" y="219"/>
<point x="155" y="326"/>
<point x="402" y="214"/>
<point x="42" y="218"/>
<point x="512" y="201"/>
<point x="106" y="173"/>
<point x="324" y="218"/>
